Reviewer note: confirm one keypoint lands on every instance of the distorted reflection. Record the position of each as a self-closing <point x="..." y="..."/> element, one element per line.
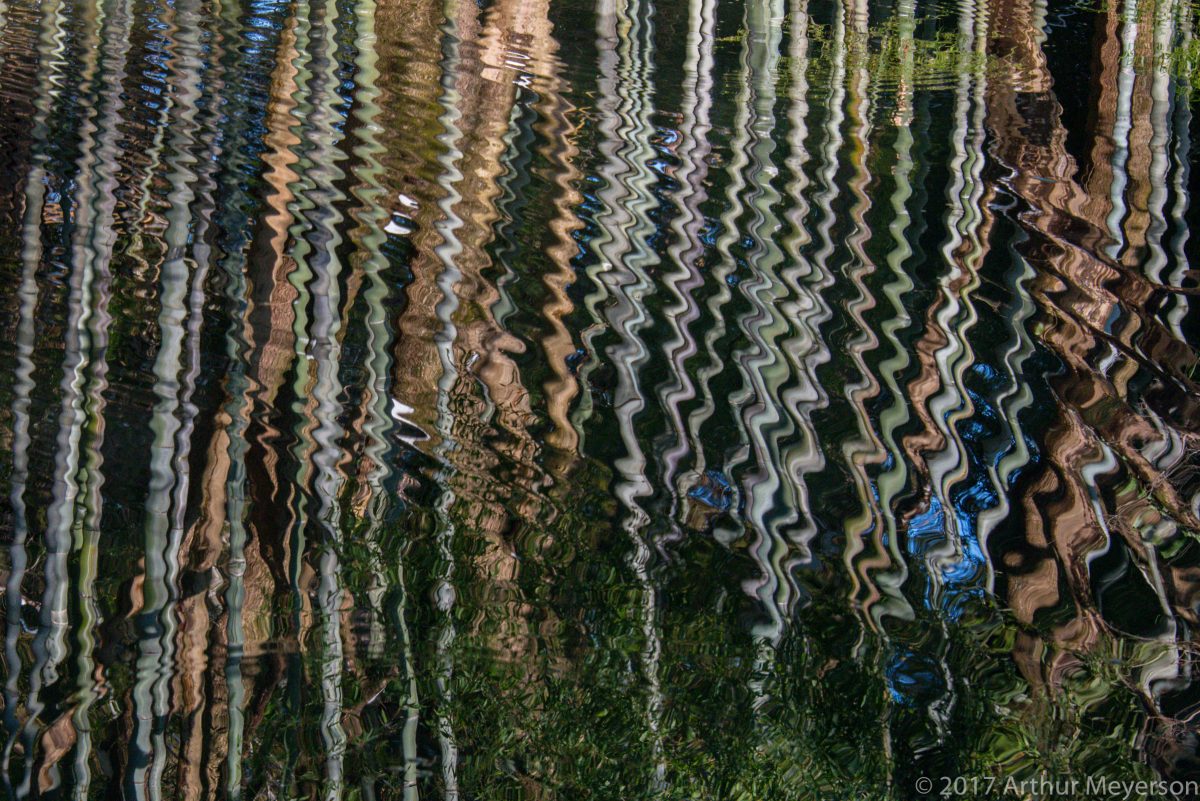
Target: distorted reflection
<point x="616" y="399"/>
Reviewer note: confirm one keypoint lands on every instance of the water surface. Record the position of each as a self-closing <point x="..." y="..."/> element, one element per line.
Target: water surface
<point x="689" y="399"/>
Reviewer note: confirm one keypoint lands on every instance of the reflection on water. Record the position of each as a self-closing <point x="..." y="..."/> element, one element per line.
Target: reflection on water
<point x="789" y="398"/>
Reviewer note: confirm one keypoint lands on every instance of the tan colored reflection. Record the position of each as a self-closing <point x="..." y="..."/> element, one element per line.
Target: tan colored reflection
<point x="509" y="42"/>
<point x="1076" y="214"/>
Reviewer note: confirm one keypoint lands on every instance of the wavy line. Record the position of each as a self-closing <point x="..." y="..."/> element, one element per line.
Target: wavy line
<point x="317" y="240"/>
<point x="1182" y="181"/>
<point x="866" y="449"/>
<point x="964" y="249"/>
<point x="770" y="502"/>
<point x="721" y="272"/>
<point x="885" y="571"/>
<point x="95" y="247"/>
<point x="624" y="249"/>
<point x="688" y="248"/>
<point x="181" y="298"/>
<point x="559" y="131"/>
<point x="50" y="41"/>
<point x="257" y="360"/>
<point x="808" y="309"/>
<point x="49" y="646"/>
<point x="447" y="252"/>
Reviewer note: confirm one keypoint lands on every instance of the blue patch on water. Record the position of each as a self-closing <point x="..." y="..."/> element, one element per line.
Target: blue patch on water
<point x="914" y="679"/>
<point x="713" y="490"/>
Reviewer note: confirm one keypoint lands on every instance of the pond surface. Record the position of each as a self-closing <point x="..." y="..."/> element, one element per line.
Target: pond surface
<point x="621" y="400"/>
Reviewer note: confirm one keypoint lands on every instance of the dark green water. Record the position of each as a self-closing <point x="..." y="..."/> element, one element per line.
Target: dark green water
<point x="630" y="400"/>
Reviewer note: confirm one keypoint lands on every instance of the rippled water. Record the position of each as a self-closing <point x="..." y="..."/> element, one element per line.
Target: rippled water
<point x="691" y="399"/>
